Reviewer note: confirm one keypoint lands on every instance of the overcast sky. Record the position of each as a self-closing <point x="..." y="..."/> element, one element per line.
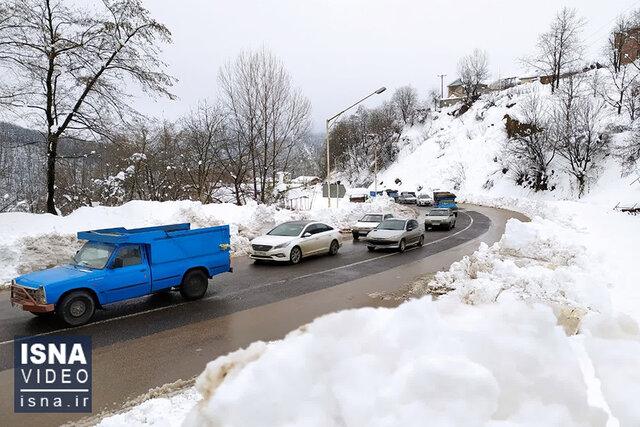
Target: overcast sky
<point x="338" y="51"/>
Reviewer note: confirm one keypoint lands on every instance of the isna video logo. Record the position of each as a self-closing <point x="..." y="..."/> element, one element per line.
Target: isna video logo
<point x="52" y="373"/>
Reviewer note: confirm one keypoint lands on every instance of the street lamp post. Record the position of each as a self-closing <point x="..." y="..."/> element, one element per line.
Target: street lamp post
<point x="377" y="92"/>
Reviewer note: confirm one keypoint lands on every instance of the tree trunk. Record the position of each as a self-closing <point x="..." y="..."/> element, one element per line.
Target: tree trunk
<point x="52" y="152"/>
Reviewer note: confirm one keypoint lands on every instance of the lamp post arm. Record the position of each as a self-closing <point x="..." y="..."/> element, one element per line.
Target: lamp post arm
<point x="350" y="107"/>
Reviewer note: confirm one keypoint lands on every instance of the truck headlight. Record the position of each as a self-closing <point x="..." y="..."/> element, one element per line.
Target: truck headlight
<point x="281" y="245"/>
<point x="41" y="296"/>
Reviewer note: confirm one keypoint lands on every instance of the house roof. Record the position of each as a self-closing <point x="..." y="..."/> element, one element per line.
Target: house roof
<point x="456" y="82"/>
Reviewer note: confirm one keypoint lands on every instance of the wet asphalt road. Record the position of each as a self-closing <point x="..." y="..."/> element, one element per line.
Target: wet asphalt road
<point x="250" y="285"/>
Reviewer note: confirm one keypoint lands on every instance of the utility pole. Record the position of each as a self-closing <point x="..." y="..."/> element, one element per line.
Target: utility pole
<point x="375" y="170"/>
<point x="442" y="76"/>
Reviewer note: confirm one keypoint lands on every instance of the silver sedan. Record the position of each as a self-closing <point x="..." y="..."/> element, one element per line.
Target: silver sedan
<point x="396" y="234"/>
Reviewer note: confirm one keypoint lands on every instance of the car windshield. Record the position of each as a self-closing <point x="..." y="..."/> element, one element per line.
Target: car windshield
<point x="371" y="218"/>
<point x="424" y="196"/>
<point x="93" y="255"/>
<point x="287" y="229"/>
<point x="391" y="225"/>
<point x="439" y="212"/>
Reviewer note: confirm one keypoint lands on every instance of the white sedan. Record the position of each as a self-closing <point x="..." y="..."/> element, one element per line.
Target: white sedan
<point x="291" y="241"/>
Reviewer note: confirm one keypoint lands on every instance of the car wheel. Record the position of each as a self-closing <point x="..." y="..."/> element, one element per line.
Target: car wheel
<point x="194" y="285"/>
<point x="296" y="255"/>
<point x="454" y="225"/>
<point x="371" y="248"/>
<point x="76" y="308"/>
<point x="333" y="248"/>
<point x="356" y="236"/>
<point x="421" y="241"/>
<point x="402" y="246"/>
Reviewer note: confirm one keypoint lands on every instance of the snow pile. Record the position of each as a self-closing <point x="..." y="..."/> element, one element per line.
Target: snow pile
<point x="159" y="411"/>
<point x="451" y="364"/>
<point x="540" y="261"/>
<point x="32" y="242"/>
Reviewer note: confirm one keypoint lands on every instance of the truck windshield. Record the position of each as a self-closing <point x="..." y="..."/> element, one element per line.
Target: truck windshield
<point x="287" y="229"/>
<point x="391" y="225"/>
<point x="93" y="255"/>
<point x="371" y="218"/>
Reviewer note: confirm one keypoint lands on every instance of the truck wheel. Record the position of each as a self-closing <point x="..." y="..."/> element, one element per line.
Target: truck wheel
<point x="76" y="308"/>
<point x="333" y="248"/>
<point x="402" y="246"/>
<point x="194" y="285"/>
<point x="296" y="255"/>
<point x="356" y="236"/>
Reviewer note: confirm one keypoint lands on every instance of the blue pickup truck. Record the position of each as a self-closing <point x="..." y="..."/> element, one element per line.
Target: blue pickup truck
<point x="116" y="264"/>
<point x="445" y="199"/>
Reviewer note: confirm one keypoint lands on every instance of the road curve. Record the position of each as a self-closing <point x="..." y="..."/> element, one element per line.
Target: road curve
<point x="144" y="343"/>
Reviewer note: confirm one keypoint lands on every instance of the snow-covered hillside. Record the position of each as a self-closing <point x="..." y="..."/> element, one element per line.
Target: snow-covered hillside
<point x="465" y="154"/>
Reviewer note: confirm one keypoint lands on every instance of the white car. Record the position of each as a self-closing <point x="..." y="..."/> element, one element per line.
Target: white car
<point x="291" y="241"/>
<point x="441" y="218"/>
<point x="368" y="223"/>
<point x="424" y="200"/>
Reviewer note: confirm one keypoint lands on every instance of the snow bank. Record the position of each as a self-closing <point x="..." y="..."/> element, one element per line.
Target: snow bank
<point x="32" y="242"/>
<point x="450" y="364"/>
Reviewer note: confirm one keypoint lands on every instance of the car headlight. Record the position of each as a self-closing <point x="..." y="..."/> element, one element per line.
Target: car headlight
<point x="281" y="245"/>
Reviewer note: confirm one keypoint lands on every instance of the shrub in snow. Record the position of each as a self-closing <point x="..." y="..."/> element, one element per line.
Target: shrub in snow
<point x="422" y="363"/>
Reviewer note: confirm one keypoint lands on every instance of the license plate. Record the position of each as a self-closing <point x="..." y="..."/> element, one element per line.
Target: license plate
<point x="261" y="253"/>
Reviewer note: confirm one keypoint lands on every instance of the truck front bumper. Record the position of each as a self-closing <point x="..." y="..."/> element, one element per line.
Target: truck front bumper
<point x="25" y="298"/>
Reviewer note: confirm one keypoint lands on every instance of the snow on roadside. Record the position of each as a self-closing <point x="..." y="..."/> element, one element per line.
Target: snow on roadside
<point x="501" y="358"/>
<point x="32" y="242"/>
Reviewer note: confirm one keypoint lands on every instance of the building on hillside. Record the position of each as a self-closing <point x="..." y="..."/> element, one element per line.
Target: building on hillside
<point x="629" y="42"/>
<point x="456" y="93"/>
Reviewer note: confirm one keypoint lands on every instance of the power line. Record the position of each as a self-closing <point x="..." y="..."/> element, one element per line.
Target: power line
<point x="608" y="23"/>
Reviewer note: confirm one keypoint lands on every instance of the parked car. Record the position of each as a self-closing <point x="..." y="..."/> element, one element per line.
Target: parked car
<point x="441" y="218"/>
<point x="395" y="233"/>
<point x="291" y="241"/>
<point x="407" y="198"/>
<point x="368" y="223"/>
<point x="118" y="264"/>
<point x="424" y="200"/>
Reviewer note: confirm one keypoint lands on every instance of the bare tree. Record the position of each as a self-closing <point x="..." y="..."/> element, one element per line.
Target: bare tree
<point x="405" y="102"/>
<point x="582" y="140"/>
<point x="203" y="131"/>
<point x="266" y="113"/>
<point x="473" y="69"/>
<point x="623" y="77"/>
<point x="66" y="67"/>
<point x="532" y="147"/>
<point x="559" y="49"/>
<point x="433" y="97"/>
